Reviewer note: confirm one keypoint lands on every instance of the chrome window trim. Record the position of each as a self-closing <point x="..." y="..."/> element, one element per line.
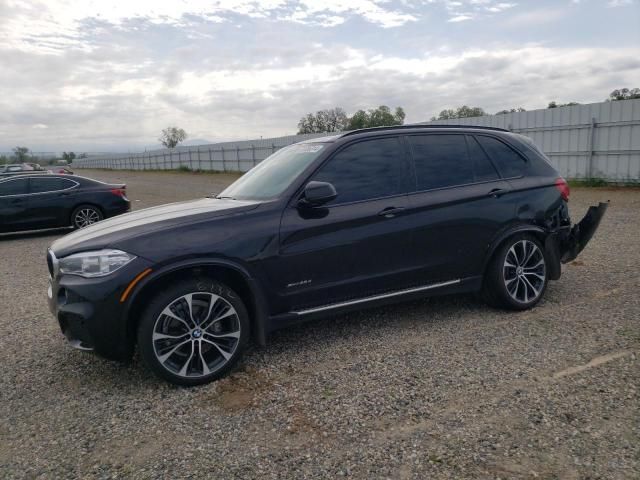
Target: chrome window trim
<point x="37" y="193"/>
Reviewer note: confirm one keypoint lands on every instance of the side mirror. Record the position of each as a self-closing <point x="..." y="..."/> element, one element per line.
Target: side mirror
<point x="318" y="193"/>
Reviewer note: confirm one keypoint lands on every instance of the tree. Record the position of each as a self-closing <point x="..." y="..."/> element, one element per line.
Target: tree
<point x="68" y="156"/>
<point x="330" y="120"/>
<point x="558" y="105"/>
<point x="3" y="159"/>
<point x="624" y="94"/>
<point x="376" y="117"/>
<point x="513" y="110"/>
<point x="20" y="153"/>
<point x="172" y="136"/>
<point x="460" y="112"/>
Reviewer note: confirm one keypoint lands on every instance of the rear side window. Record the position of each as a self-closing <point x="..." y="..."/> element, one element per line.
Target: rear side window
<point x="366" y="170"/>
<point x="509" y="163"/>
<point x="441" y="161"/>
<point x="13" y="187"/>
<point x="483" y="169"/>
<point x="50" y="184"/>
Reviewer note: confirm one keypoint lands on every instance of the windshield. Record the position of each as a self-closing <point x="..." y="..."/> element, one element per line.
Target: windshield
<point x="272" y="176"/>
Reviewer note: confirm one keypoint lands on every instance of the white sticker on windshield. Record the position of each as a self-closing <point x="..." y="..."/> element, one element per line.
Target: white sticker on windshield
<point x="310" y="148"/>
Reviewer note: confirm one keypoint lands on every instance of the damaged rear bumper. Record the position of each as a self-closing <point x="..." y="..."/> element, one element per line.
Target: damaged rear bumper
<point x="580" y="234"/>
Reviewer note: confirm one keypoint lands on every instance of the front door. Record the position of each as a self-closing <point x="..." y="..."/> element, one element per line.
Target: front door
<point x="13" y="204"/>
<point x="356" y="245"/>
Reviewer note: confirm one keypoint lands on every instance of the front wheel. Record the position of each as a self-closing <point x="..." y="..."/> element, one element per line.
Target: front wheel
<point x="516" y="277"/>
<point x="194" y="332"/>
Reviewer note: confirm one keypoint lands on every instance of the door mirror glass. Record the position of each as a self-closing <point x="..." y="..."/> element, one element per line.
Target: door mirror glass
<point x="318" y="193"/>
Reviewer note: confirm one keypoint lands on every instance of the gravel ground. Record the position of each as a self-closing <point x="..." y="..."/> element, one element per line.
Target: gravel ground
<point x="440" y="388"/>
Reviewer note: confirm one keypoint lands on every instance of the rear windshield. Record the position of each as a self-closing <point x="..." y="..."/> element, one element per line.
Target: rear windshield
<point x="272" y="176"/>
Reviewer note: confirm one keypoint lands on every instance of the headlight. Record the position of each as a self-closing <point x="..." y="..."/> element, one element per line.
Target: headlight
<point x="94" y="264"/>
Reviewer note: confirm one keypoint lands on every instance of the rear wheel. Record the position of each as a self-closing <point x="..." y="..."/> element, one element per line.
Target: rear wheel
<point x="194" y="332"/>
<point x="85" y="215"/>
<point x="517" y="274"/>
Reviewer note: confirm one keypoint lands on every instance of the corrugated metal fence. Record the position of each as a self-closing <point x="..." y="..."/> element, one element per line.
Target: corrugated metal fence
<point x="599" y="140"/>
<point x="223" y="157"/>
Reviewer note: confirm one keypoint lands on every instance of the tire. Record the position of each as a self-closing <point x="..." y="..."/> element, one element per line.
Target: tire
<point x="194" y="349"/>
<point x="517" y="275"/>
<point x="85" y="215"/>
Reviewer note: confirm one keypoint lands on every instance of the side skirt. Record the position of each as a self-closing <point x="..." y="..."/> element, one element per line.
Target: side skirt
<point x="464" y="285"/>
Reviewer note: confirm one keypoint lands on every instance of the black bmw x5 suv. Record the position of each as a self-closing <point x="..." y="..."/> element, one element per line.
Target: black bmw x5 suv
<point x="323" y="226"/>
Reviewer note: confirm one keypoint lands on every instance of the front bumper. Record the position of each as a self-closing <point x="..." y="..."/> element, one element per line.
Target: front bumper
<point x="89" y="311"/>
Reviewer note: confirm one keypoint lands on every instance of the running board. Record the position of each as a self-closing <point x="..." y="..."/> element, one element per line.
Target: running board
<point x="375" y="297"/>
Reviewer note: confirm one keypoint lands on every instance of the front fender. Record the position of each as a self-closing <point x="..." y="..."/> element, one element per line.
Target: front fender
<point x="260" y="322"/>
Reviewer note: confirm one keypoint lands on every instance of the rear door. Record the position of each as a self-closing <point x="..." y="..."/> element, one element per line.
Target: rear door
<point x="51" y="200"/>
<point x="459" y="203"/>
<point x="13" y="204"/>
<point x="356" y="245"/>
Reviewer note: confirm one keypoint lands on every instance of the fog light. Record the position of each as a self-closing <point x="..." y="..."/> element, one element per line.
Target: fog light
<point x="62" y="296"/>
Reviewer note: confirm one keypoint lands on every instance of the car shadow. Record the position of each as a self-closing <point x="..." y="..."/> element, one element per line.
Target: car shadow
<point x="403" y="316"/>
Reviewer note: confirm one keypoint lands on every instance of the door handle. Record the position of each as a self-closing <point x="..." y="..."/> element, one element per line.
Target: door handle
<point x="496" y="192"/>
<point x="390" y="212"/>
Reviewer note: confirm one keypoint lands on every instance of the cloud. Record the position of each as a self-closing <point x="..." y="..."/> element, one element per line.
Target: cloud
<point x="93" y="77"/>
<point x="56" y="25"/>
<point x="103" y="107"/>
<point x="460" y="18"/>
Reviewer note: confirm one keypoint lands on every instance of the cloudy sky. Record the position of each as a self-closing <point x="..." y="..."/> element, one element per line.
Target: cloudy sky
<point x="99" y="75"/>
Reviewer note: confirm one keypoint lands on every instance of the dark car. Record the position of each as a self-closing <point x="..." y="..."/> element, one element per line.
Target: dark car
<point x="320" y="227"/>
<point x="21" y="169"/>
<point x="29" y="202"/>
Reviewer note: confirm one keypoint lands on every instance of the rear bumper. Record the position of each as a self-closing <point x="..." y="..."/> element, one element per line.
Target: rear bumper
<point x="578" y="237"/>
<point x="117" y="208"/>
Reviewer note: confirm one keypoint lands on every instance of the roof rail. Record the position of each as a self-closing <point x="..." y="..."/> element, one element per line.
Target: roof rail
<point x="417" y="126"/>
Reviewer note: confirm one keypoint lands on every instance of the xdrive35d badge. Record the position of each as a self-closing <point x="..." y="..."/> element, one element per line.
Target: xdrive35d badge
<point x="332" y="224"/>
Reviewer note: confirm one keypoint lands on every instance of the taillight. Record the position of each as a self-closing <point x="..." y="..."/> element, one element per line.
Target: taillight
<point x="563" y="187"/>
<point x="121" y="192"/>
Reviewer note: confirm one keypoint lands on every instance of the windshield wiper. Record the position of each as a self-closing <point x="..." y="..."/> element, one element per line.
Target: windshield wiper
<point x="222" y="198"/>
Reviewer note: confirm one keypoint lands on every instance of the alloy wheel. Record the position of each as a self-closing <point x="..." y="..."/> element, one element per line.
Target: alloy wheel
<point x="196" y="334"/>
<point x="524" y="271"/>
<point x="86" y="217"/>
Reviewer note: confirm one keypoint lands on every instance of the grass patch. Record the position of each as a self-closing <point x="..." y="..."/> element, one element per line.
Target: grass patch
<point x="589" y="182"/>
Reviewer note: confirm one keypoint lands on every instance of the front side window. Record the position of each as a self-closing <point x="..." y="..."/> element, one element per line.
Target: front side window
<point x="272" y="176"/>
<point x="18" y="186"/>
<point x="366" y="170"/>
<point x="50" y="184"/>
<point x="509" y="163"/>
<point x="441" y="161"/>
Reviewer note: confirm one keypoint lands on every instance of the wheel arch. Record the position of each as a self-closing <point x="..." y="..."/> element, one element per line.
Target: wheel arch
<point x="233" y="275"/>
<point x="547" y="238"/>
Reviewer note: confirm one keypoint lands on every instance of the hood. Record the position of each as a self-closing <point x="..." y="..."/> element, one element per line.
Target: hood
<point x="108" y="232"/>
